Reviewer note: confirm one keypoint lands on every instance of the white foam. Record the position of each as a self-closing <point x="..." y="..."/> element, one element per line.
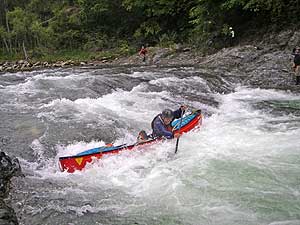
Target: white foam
<point x="191" y="182"/>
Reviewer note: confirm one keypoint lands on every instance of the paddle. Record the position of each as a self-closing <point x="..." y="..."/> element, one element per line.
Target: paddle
<point x="177" y="141"/>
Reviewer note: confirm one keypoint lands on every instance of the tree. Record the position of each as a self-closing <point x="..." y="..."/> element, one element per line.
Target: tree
<point x="159" y="17"/>
<point x="4" y="36"/>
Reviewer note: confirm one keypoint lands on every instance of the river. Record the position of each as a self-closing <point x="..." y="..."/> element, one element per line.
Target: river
<point x="242" y="167"/>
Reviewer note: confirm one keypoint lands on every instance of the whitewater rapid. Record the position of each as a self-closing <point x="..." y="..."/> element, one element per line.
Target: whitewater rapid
<point x="240" y="168"/>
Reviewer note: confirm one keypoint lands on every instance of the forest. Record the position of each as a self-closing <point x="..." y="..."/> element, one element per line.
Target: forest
<point x="40" y="28"/>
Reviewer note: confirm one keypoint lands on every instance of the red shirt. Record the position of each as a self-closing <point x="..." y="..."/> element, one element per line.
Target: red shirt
<point x="143" y="51"/>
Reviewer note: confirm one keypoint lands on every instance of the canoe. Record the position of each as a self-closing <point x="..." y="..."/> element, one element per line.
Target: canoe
<point x="79" y="161"/>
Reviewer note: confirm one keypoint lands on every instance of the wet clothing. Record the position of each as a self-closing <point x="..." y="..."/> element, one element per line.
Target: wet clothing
<point x="160" y="129"/>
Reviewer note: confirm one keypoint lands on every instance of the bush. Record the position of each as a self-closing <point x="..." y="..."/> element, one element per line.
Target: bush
<point x="167" y="40"/>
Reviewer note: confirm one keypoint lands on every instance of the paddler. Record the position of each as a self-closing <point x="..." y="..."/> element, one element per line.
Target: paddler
<point x="161" y="124"/>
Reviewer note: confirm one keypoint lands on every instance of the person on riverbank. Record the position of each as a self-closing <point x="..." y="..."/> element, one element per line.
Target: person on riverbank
<point x="296" y="64"/>
<point x="143" y="53"/>
<point x="161" y="124"/>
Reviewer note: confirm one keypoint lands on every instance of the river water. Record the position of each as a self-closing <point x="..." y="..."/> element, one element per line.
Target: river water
<point x="242" y="167"/>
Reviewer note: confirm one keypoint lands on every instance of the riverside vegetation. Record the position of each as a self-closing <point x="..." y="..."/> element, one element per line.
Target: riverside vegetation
<point x="77" y="31"/>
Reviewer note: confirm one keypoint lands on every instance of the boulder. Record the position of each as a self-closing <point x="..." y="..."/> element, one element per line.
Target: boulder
<point x="9" y="167"/>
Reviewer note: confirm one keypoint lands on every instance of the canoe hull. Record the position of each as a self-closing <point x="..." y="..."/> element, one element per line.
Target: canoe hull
<point x="78" y="162"/>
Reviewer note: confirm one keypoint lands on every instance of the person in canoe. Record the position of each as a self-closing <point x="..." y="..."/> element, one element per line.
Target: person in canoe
<point x="161" y="125"/>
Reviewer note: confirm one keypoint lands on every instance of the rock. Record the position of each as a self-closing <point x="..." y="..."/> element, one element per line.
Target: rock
<point x="186" y="49"/>
<point x="160" y="54"/>
<point x="106" y="59"/>
<point x="38" y="63"/>
<point x="178" y="47"/>
<point x="67" y="63"/>
<point x="64" y="64"/>
<point x="9" y="167"/>
<point x="7" y="215"/>
<point x="15" y="66"/>
<point x="294" y="40"/>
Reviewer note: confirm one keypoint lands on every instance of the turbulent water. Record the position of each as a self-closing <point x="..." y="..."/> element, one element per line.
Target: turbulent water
<point x="242" y="167"/>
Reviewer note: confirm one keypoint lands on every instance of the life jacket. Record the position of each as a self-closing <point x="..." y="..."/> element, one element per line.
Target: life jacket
<point x="168" y="127"/>
<point x="152" y="123"/>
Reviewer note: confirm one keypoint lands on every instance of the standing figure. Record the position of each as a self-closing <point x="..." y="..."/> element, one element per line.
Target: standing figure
<point x="143" y="53"/>
<point x="296" y="64"/>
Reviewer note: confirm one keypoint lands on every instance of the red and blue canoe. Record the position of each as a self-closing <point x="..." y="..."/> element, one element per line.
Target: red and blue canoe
<point x="80" y="160"/>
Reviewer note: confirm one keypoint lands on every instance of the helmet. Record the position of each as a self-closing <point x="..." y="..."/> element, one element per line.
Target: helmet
<point x="167" y="113"/>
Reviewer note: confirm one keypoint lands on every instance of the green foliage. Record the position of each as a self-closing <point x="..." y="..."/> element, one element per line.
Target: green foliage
<point x="167" y="40"/>
<point x="63" y="55"/>
<point x="159" y="16"/>
<point x="256" y="5"/>
<point x="105" y="16"/>
<point x="47" y="26"/>
<point x="124" y="47"/>
<point x="20" y="22"/>
<point x="148" y="29"/>
<point x="96" y="42"/>
<point x="3" y="33"/>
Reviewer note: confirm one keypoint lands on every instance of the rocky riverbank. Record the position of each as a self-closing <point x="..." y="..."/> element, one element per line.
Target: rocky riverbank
<point x="155" y="56"/>
<point x="9" y="168"/>
<point x="271" y="46"/>
<point x="24" y="65"/>
<point x="263" y="62"/>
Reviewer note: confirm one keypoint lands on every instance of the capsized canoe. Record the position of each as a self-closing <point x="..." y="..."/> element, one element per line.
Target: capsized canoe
<point x="79" y="161"/>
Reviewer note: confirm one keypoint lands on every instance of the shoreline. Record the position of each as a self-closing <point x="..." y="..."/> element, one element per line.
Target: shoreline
<point x="178" y="54"/>
<point x="23" y="65"/>
<point x="242" y="61"/>
<point x="157" y="56"/>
